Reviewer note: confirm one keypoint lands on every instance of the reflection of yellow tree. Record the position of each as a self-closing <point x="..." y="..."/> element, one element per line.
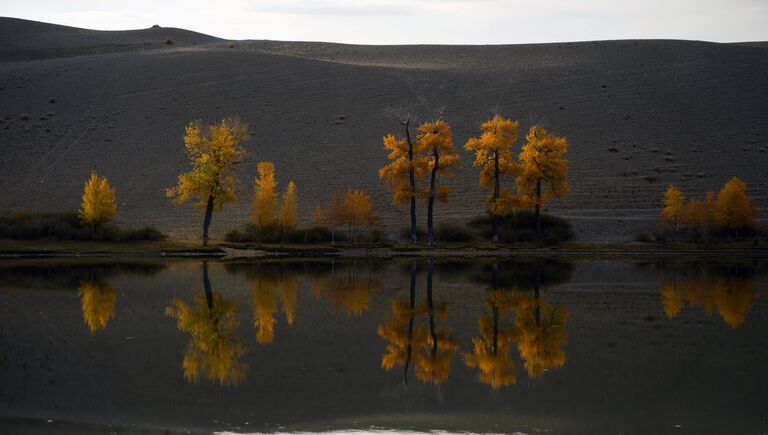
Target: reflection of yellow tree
<point x="491" y="349"/>
<point x="431" y="349"/>
<point x="264" y="304"/>
<point x="541" y="334"/>
<point x="97" y="299"/>
<point x="348" y="290"/>
<point x="731" y="296"/>
<point x="214" y="349"/>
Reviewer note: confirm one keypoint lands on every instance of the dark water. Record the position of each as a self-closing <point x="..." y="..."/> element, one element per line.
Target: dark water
<point x="530" y="346"/>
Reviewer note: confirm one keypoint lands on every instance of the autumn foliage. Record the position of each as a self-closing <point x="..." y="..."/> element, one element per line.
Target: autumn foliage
<point x="99" y="206"/>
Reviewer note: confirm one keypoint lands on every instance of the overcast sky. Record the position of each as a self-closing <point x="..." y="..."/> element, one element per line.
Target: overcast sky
<point x="417" y="21"/>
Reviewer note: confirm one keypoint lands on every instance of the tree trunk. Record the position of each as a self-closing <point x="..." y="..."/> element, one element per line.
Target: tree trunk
<point x="496" y="193"/>
<point x="207" y="218"/>
<point x="412" y="181"/>
<point x="538" y="208"/>
<point x="431" y="202"/>
<point x="412" y="305"/>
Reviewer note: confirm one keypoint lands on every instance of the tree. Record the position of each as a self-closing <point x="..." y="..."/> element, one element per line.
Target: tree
<point x="288" y="209"/>
<point x="494" y="157"/>
<point x="99" y="205"/>
<point x="733" y="207"/>
<point x="544" y="171"/>
<point x="400" y="175"/>
<point x="673" y="205"/>
<point x="695" y="217"/>
<point x="542" y="333"/>
<point x="357" y="211"/>
<point x="264" y="200"/>
<point x="213" y="152"/>
<point x="438" y="155"/>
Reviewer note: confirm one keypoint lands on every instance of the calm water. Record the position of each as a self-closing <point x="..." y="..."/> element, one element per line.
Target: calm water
<point x="537" y="346"/>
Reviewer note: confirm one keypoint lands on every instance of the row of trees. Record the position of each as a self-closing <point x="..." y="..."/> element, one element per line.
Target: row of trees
<point x="540" y="170"/>
<point x="731" y="210"/>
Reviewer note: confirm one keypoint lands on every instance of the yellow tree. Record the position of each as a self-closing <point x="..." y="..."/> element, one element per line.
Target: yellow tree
<point x="264" y="201"/>
<point x="438" y="155"/>
<point x="673" y="205"/>
<point x="97" y="300"/>
<point x="358" y="212"/>
<point x="544" y="171"/>
<point x="401" y="173"/>
<point x="99" y="205"/>
<point x="214" y="350"/>
<point x="494" y="157"/>
<point x="213" y="152"/>
<point x="288" y="209"/>
<point x="733" y="207"/>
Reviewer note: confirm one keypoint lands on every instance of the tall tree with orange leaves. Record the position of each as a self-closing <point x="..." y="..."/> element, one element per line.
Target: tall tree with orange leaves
<point x="401" y="173"/>
<point x="544" y="171"/>
<point x="438" y="155"/>
<point x="213" y="152"/>
<point x="494" y="157"/>
<point x="733" y="206"/>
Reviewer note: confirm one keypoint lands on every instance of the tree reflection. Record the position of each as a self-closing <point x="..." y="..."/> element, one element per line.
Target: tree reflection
<point x="348" y="287"/>
<point x="725" y="287"/>
<point x="538" y="328"/>
<point x="263" y="301"/>
<point x="214" y="350"/>
<point x="432" y="348"/>
<point x="97" y="300"/>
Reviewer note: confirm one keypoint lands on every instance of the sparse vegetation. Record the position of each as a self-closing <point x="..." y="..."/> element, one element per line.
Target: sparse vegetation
<point x="68" y="226"/>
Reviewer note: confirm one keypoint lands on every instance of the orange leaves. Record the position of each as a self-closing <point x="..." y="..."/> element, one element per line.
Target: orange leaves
<point x="543" y="163"/>
<point x="733" y="207"/>
<point x="673" y="203"/>
<point x="493" y="149"/>
<point x="396" y="174"/>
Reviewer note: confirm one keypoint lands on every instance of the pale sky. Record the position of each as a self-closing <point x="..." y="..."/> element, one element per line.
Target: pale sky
<point x="417" y="21"/>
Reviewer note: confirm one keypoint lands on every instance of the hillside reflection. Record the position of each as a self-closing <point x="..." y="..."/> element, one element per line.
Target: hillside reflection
<point x="728" y="288"/>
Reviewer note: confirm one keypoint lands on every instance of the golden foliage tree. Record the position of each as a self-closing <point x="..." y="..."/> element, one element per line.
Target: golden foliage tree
<point x="733" y="207"/>
<point x="214" y="350"/>
<point x="544" y="172"/>
<point x="288" y="208"/>
<point x="264" y="201"/>
<point x="213" y="152"/>
<point x="674" y="201"/>
<point x="99" y="205"/>
<point x="438" y="155"/>
<point x="494" y="157"/>
<point x="97" y="300"/>
<point x="356" y="212"/>
<point x="401" y="173"/>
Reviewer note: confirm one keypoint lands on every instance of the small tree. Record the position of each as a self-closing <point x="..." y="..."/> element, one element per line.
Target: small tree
<point x="400" y="175"/>
<point x="213" y="152"/>
<point x="264" y="201"/>
<point x="358" y="212"/>
<point x="494" y="157"/>
<point x="544" y="170"/>
<point x="673" y="205"/>
<point x="438" y="155"/>
<point x="99" y="205"/>
<point x="733" y="207"/>
<point x="288" y="209"/>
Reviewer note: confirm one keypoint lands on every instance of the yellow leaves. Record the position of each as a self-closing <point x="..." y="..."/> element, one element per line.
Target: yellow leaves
<point x="288" y="208"/>
<point x="543" y="167"/>
<point x="496" y="366"/>
<point x="213" y="152"/>
<point x="264" y="199"/>
<point x="695" y="214"/>
<point x="99" y="205"/>
<point x="542" y="333"/>
<point x="673" y="203"/>
<point x="214" y="350"/>
<point x="348" y="291"/>
<point x="733" y="207"/>
<point x="264" y="304"/>
<point x="437" y="153"/>
<point x="97" y="300"/>
<point x="396" y="174"/>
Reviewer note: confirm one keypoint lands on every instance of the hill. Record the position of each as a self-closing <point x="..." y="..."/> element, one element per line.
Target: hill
<point x="639" y="115"/>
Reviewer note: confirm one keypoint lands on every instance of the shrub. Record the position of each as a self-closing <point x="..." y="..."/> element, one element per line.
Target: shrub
<point x="405" y="233"/>
<point x="169" y="41"/>
<point x="521" y="228"/>
<point x="643" y="236"/>
<point x="453" y="233"/>
<point x="67" y="226"/>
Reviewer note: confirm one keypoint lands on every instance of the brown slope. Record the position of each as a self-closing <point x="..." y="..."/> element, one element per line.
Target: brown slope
<point x="123" y="114"/>
<point x="25" y="39"/>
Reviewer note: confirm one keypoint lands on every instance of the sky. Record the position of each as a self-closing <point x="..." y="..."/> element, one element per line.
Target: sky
<point x="417" y="21"/>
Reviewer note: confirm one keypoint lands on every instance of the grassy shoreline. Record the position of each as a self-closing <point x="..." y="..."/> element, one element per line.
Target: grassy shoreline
<point x="44" y="249"/>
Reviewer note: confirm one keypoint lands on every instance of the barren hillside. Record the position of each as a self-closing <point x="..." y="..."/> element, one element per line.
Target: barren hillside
<point x="638" y="114"/>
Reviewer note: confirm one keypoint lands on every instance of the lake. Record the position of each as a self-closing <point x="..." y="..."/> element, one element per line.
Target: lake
<point x="670" y="345"/>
